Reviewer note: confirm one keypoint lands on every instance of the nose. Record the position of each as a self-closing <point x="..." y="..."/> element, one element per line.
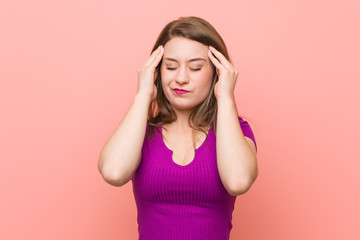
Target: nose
<point x="181" y="76"/>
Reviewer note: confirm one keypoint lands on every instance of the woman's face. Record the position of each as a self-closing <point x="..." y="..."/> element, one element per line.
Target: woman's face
<point x="186" y="66"/>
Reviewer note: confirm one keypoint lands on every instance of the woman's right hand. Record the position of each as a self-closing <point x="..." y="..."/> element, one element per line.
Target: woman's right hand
<point x="148" y="73"/>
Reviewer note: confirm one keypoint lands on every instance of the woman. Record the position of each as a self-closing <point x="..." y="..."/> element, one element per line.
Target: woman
<point x="182" y="143"/>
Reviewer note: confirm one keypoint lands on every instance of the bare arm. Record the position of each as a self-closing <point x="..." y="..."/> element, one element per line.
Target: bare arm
<point x="121" y="154"/>
<point x="236" y="155"/>
<point x="237" y="160"/>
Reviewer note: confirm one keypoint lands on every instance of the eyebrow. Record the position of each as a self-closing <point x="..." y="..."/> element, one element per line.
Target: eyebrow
<point x="191" y="60"/>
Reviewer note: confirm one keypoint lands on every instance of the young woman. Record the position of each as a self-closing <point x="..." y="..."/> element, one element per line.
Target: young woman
<point x="182" y="143"/>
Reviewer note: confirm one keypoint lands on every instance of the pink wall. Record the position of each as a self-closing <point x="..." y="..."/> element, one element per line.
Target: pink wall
<point x="68" y="73"/>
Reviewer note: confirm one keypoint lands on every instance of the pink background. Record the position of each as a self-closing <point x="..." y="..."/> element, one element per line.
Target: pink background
<point x="68" y="73"/>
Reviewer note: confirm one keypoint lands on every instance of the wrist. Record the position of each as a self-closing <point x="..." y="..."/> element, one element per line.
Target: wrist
<point x="142" y="97"/>
<point x="226" y="99"/>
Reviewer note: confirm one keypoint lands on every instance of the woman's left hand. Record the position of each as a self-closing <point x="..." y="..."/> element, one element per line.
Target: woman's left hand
<point x="226" y="72"/>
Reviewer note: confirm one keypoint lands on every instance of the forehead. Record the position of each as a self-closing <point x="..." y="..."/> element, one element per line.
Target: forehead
<point x="183" y="50"/>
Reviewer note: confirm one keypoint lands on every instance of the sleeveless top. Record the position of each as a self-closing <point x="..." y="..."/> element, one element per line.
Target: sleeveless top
<point x="176" y="202"/>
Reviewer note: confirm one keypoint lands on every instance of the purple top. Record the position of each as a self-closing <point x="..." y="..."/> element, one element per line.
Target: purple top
<point x="182" y="202"/>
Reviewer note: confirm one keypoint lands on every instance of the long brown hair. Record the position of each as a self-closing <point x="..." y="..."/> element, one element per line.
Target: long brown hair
<point x="204" y="115"/>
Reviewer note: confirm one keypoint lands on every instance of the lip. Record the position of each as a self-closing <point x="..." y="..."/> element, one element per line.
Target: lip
<point x="180" y="91"/>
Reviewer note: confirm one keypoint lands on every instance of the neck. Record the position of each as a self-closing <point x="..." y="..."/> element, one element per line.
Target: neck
<point x="182" y="121"/>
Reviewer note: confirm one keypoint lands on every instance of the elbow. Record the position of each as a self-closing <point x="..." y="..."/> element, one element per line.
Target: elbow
<point x="239" y="189"/>
<point x="242" y="187"/>
<point x="111" y="176"/>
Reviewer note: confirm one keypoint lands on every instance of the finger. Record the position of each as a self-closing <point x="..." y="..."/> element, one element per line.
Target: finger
<point x="153" y="56"/>
<point x="157" y="59"/>
<point x="220" y="56"/>
<point x="216" y="62"/>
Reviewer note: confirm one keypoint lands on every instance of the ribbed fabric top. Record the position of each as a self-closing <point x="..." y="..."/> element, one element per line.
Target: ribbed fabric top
<point x="177" y="202"/>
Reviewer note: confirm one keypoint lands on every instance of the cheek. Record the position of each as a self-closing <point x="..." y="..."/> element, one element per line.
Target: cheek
<point x="205" y="79"/>
<point x="166" y="76"/>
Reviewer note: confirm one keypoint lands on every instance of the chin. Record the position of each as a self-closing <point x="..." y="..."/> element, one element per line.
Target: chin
<point x="183" y="106"/>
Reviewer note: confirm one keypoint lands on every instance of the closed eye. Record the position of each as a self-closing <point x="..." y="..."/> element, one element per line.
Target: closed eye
<point x="193" y="69"/>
